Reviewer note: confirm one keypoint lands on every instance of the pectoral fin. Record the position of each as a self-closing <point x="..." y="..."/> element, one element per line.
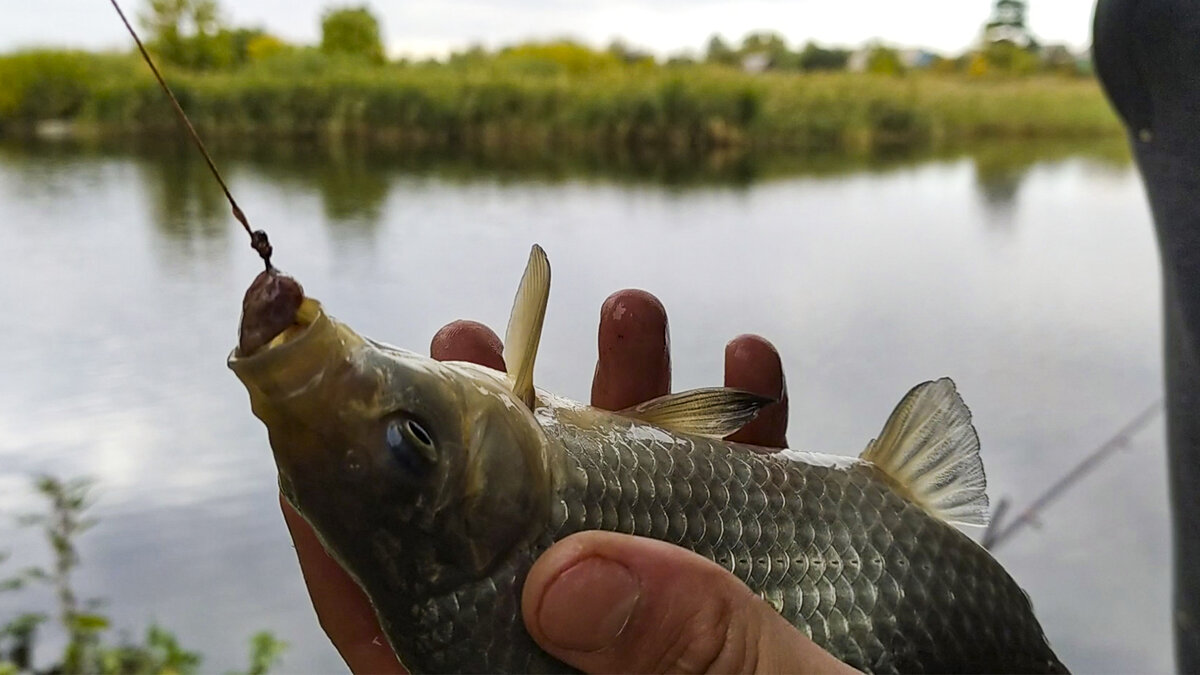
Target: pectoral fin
<point x="715" y="412"/>
<point x="929" y="448"/>
<point x="525" y="324"/>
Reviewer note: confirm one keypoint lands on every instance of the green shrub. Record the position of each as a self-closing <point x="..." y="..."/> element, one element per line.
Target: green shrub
<point x="576" y="95"/>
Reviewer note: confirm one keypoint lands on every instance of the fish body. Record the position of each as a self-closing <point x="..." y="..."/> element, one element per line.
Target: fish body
<point x="871" y="577"/>
<point x="437" y="485"/>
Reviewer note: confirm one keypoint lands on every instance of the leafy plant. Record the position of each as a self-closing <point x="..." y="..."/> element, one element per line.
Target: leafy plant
<point x="159" y="651"/>
<point x="265" y="652"/>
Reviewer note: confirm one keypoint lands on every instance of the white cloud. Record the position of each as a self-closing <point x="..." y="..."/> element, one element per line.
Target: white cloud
<point x="112" y="446"/>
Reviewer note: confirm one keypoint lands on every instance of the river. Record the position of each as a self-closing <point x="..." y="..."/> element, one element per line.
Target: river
<point x="1026" y="273"/>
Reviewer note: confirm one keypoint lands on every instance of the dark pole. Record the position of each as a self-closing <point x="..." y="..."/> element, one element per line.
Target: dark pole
<point x="1147" y="54"/>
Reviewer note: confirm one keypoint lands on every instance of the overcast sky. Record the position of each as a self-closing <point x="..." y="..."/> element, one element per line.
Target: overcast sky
<point x="434" y="27"/>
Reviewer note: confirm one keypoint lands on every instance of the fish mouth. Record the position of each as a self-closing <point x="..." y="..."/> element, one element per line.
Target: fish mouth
<point x="274" y="311"/>
<point x="303" y="319"/>
<point x="286" y="341"/>
<point x="280" y="337"/>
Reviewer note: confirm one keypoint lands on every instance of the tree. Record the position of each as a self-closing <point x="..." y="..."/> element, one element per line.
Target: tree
<point x="681" y="59"/>
<point x="629" y="55"/>
<point x="474" y="55"/>
<point x="815" y="57"/>
<point x="772" y="46"/>
<point x="185" y="32"/>
<point x="1006" y="57"/>
<point x="884" y="61"/>
<point x="351" y="31"/>
<point x="264" y="46"/>
<point x="763" y="41"/>
<point x="171" y="20"/>
<point x="559" y="56"/>
<point x="237" y="42"/>
<point x="720" y="52"/>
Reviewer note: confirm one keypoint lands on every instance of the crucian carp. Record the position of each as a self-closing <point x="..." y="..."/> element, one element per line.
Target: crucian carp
<point x="436" y="485"/>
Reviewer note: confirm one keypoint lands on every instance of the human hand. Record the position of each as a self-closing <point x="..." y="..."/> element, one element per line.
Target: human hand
<point x="600" y="601"/>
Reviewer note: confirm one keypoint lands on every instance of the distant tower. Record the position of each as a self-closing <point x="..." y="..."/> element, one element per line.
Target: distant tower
<point x="1007" y="24"/>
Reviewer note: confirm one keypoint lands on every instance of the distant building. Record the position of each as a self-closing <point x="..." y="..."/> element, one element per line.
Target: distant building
<point x="857" y="62"/>
<point x="911" y="59"/>
<point x="756" y="62"/>
<point x="917" y="59"/>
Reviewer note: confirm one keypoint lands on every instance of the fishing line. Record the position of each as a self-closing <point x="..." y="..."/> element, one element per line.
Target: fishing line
<point x="258" y="238"/>
<point x="1000" y="529"/>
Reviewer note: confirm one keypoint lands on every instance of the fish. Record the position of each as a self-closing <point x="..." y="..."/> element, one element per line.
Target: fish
<point x="436" y="485"/>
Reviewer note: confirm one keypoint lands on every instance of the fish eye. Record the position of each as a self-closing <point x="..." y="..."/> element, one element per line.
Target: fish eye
<point x="410" y="444"/>
<point x="418" y="432"/>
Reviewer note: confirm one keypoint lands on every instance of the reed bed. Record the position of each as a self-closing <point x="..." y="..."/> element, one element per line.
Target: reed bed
<point x="536" y="105"/>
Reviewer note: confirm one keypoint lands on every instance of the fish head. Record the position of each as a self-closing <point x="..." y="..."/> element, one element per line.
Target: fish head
<point x="416" y="474"/>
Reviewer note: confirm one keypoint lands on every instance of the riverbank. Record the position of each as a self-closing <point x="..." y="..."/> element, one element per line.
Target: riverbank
<point x="671" y="108"/>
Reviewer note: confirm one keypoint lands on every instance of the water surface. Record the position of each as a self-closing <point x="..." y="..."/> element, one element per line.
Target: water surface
<point x="1029" y="277"/>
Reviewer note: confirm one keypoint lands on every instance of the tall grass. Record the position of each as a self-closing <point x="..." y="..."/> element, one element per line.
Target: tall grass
<point x="529" y="103"/>
<point x="39" y="85"/>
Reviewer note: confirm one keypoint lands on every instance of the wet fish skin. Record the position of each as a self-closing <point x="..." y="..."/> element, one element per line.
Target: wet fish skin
<point x="872" y="578"/>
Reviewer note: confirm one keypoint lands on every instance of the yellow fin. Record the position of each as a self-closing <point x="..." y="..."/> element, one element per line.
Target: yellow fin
<point x="715" y="412"/>
<point x="929" y="448"/>
<point x="525" y="324"/>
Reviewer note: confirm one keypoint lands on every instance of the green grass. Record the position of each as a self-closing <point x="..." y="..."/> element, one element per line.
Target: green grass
<point x="524" y="103"/>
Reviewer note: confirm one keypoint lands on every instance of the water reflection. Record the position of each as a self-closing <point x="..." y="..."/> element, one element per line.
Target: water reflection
<point x="353" y="186"/>
<point x="998" y="179"/>
<point x="185" y="202"/>
<point x="1001" y="170"/>
<point x="353" y="179"/>
<point x="353" y="182"/>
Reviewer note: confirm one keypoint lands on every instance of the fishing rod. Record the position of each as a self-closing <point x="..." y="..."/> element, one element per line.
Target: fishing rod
<point x="1000" y="530"/>
<point x="258" y="238"/>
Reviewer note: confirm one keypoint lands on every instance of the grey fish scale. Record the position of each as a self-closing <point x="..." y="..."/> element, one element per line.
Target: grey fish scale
<point x="869" y="576"/>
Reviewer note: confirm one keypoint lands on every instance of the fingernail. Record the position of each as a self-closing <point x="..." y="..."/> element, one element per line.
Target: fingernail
<point x="635" y="316"/>
<point x="753" y="363"/>
<point x="588" y="606"/>
<point x="464" y="340"/>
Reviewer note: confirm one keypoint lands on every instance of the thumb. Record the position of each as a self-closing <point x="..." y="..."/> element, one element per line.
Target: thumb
<point x="605" y="602"/>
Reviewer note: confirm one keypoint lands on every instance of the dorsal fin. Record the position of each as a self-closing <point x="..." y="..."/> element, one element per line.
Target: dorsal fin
<point x="929" y="448"/>
<point x="715" y="412"/>
<point x="525" y="324"/>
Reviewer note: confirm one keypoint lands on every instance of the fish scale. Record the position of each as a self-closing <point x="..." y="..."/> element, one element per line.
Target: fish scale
<point x="831" y="548"/>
